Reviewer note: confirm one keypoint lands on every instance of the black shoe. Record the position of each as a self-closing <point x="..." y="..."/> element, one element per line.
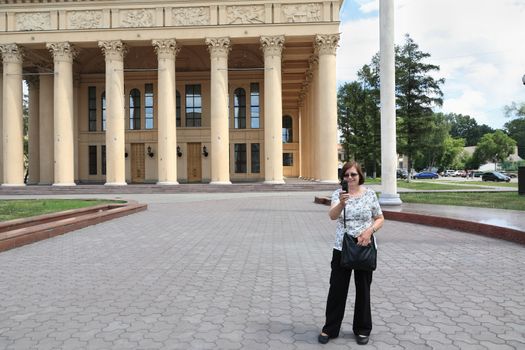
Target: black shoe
<point x="323" y="339"/>
<point x="362" y="339"/>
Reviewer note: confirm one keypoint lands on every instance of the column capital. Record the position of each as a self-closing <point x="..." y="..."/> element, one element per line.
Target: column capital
<point x="166" y="48"/>
<point x="218" y="47"/>
<point x="113" y="49"/>
<point x="272" y="45"/>
<point x="313" y="61"/>
<point x="12" y="53"/>
<point x="327" y="44"/>
<point x="62" y="51"/>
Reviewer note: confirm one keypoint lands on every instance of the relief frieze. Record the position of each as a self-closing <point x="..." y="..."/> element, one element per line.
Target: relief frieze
<point x="294" y="13"/>
<point x="245" y="14"/>
<point x="137" y="18"/>
<point x="188" y="16"/>
<point x="85" y="19"/>
<point x="33" y="21"/>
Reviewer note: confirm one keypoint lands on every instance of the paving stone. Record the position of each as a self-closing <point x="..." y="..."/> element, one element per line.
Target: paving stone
<point x="251" y="271"/>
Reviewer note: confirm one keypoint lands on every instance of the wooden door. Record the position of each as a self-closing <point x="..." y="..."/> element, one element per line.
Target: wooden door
<point x="194" y="162"/>
<point x="138" y="168"/>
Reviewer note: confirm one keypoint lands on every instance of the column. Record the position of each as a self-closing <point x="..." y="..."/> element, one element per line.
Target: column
<point x="326" y="46"/>
<point x="114" y="52"/>
<point x="317" y="114"/>
<point x="167" y="134"/>
<point x="220" y="139"/>
<point x="273" y="109"/>
<point x="33" y="131"/>
<point x="46" y="149"/>
<point x="389" y="194"/>
<point x="13" y="129"/>
<point x="1" y="127"/>
<point x="63" y="54"/>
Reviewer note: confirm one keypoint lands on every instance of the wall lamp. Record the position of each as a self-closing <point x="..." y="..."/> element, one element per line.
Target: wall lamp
<point x="179" y="152"/>
<point x="204" y="151"/>
<point x="125" y="154"/>
<point x="150" y="153"/>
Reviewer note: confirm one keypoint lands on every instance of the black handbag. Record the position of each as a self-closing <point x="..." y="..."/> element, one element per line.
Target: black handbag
<point x="356" y="257"/>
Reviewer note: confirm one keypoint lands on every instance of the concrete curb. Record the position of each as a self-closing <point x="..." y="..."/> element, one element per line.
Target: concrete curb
<point x="16" y="233"/>
<point x="487" y="230"/>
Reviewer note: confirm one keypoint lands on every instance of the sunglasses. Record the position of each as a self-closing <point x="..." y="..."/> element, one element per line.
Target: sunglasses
<point x="351" y="174"/>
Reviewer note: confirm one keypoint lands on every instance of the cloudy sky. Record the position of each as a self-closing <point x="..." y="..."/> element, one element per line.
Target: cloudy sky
<point x="478" y="44"/>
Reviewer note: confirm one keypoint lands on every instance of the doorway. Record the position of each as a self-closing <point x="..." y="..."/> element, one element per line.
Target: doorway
<point x="194" y="162"/>
<point x="138" y="167"/>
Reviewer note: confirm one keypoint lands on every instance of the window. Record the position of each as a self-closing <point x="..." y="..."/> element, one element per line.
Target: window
<point x="103" y="158"/>
<point x="92" y="108"/>
<point x="287" y="129"/>
<point x="177" y="111"/>
<point x="254" y="105"/>
<point x="148" y="105"/>
<point x="239" y="108"/>
<point x="193" y="105"/>
<point x="287" y="159"/>
<point x="240" y="157"/>
<point x="256" y="162"/>
<point x="92" y="160"/>
<point x="103" y="104"/>
<point x="134" y="109"/>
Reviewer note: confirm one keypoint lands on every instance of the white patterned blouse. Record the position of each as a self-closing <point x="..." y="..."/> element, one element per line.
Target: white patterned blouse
<point x="360" y="212"/>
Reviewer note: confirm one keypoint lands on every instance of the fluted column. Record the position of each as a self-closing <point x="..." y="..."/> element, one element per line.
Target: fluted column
<point x="326" y="46"/>
<point x="220" y="140"/>
<point x="33" y="131"/>
<point x="114" y="52"/>
<point x="389" y="194"/>
<point x="13" y="130"/>
<point x="46" y="149"/>
<point x="273" y="109"/>
<point x="63" y="54"/>
<point x="167" y="134"/>
<point x="317" y="115"/>
<point x="1" y="125"/>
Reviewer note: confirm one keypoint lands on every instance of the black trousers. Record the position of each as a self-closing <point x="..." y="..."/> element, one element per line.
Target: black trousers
<point x="335" y="305"/>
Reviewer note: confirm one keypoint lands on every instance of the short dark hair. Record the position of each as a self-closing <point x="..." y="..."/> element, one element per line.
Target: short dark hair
<point x="357" y="167"/>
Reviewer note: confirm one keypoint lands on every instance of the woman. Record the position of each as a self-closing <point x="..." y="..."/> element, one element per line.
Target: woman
<point x="363" y="218"/>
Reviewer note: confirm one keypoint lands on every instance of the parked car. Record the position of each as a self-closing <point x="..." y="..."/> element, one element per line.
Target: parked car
<point x="426" y="175"/>
<point x="477" y="173"/>
<point x="511" y="175"/>
<point x="449" y="172"/>
<point x="494" y="176"/>
<point x="402" y="174"/>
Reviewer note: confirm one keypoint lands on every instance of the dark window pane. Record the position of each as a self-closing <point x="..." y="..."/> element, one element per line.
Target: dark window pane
<point x="239" y="108"/>
<point x="92" y="108"/>
<point x="240" y="157"/>
<point x="256" y="162"/>
<point x="287" y="129"/>
<point x="287" y="159"/>
<point x="103" y="104"/>
<point x="134" y="109"/>
<point x="193" y="105"/>
<point x="92" y="160"/>
<point x="178" y="109"/>
<point x="103" y="158"/>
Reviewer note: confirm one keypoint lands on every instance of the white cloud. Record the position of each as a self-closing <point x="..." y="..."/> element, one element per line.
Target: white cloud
<point x="478" y="45"/>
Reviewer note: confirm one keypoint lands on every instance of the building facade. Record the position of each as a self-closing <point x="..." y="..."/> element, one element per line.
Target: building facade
<point x="168" y="92"/>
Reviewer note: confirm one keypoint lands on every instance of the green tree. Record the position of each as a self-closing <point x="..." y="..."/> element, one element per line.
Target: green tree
<point x="516" y="128"/>
<point x="453" y="150"/>
<point x="431" y="155"/>
<point x="417" y="93"/>
<point x="496" y="146"/>
<point x="465" y="127"/>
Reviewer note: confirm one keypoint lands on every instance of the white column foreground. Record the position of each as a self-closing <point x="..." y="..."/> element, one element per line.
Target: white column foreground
<point x="12" y="128"/>
<point x="63" y="54"/>
<point x="167" y="134"/>
<point x="326" y="46"/>
<point x="389" y="194"/>
<point x="114" y="52"/>
<point x="273" y="109"/>
<point x="220" y="139"/>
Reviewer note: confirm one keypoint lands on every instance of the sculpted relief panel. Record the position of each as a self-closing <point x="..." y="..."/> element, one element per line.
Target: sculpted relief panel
<point x="245" y="14"/>
<point x="33" y="21"/>
<point x="137" y="18"/>
<point x="85" y="19"/>
<point x="301" y="13"/>
<point x="190" y="16"/>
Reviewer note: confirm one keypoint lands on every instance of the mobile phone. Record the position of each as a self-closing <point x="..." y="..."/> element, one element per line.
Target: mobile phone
<point x="344" y="186"/>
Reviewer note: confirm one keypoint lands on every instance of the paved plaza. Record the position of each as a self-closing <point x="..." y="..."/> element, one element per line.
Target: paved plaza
<point x="251" y="271"/>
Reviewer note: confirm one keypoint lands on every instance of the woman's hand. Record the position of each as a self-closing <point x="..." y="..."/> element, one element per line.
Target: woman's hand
<point x="364" y="238"/>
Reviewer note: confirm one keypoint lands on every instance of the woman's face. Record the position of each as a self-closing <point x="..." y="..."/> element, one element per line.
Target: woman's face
<point x="352" y="177"/>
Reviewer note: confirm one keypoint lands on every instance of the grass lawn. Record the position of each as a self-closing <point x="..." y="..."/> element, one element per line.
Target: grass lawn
<point x="15" y="209"/>
<point x="500" y="200"/>
<point x="425" y="185"/>
<point x="485" y="183"/>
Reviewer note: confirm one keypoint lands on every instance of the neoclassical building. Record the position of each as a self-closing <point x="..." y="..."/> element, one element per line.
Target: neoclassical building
<point x="167" y="92"/>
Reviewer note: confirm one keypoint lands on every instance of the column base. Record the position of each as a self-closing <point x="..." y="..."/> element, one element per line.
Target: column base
<point x="115" y="184"/>
<point x="13" y="185"/>
<point x="44" y="183"/>
<point x="58" y="184"/>
<point x="389" y="199"/>
<point x="220" y="183"/>
<point x="167" y="183"/>
<point x="274" y="182"/>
